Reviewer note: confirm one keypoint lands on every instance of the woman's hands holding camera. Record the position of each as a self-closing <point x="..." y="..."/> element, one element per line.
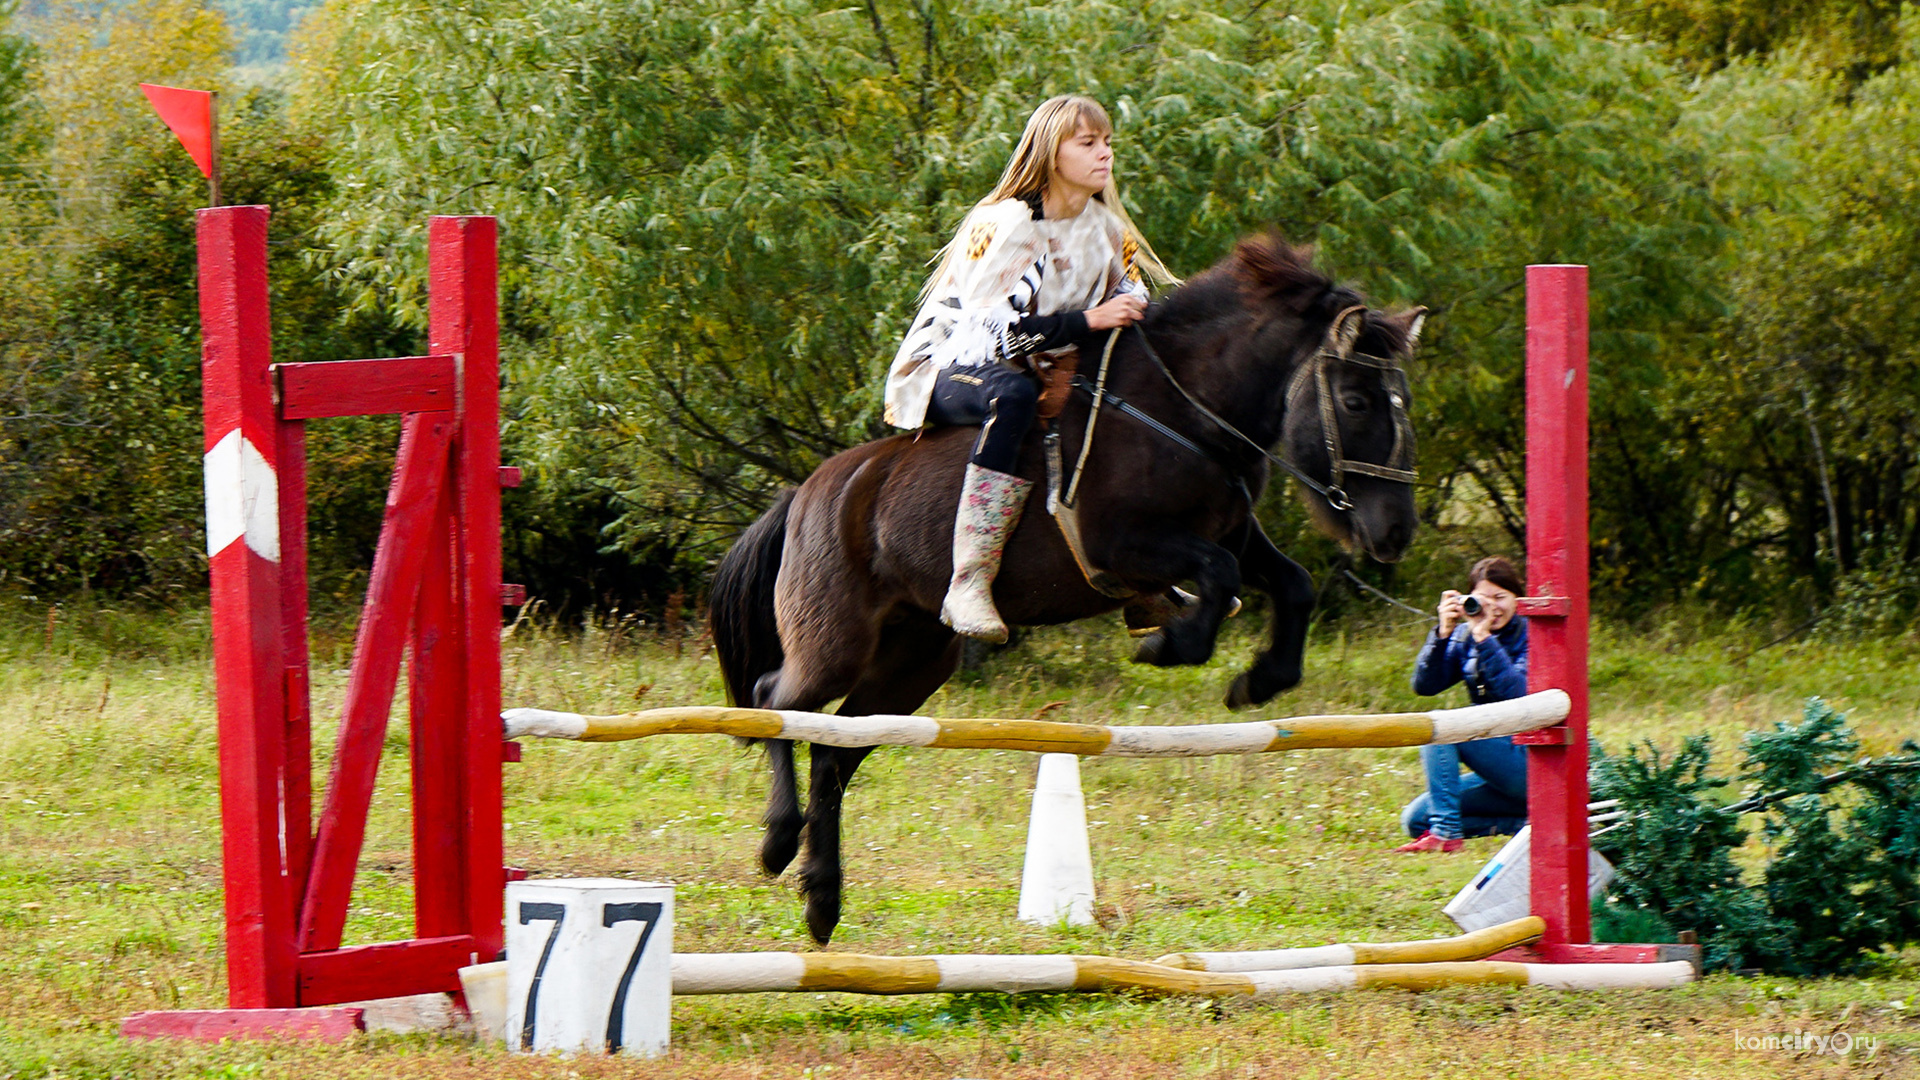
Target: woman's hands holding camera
<point x="1457" y="607"/>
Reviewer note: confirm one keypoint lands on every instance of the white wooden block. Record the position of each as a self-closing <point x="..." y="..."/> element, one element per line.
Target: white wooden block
<point x="589" y="966"/>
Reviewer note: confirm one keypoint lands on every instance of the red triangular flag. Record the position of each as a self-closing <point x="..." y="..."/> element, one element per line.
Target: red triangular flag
<point x="190" y="114"/>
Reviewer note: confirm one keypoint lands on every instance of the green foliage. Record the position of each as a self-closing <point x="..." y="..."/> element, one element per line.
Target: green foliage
<point x="1855" y="36"/>
<point x="18" y="135"/>
<point x="102" y="466"/>
<point x="1842" y="878"/>
<point x="718" y="215"/>
<point x="1673" y="854"/>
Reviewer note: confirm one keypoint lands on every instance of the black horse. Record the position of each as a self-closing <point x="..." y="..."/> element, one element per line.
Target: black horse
<point x="835" y="592"/>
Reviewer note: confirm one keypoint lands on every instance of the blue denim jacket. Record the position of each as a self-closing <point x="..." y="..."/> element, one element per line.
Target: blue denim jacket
<point x="1494" y="669"/>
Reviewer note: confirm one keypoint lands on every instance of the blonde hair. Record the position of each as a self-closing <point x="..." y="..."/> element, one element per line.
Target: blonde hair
<point x="1030" y="170"/>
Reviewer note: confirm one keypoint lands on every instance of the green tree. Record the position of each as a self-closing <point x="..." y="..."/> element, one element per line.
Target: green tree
<point x="717" y="215"/>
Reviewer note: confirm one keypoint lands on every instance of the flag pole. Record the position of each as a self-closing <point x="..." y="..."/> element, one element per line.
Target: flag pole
<point x="213" y="139"/>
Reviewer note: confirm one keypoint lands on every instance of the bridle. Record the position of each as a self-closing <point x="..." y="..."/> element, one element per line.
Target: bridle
<point x="1399" y="461"/>
<point x="1393" y="378"/>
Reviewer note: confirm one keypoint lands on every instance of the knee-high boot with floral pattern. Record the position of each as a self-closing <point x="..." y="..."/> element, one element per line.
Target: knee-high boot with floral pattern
<point x="990" y="505"/>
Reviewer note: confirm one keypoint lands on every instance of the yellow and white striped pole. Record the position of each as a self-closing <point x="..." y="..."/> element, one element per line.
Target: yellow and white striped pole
<point x="1475" y="946"/>
<point x="775" y="972"/>
<point x="1435" y="727"/>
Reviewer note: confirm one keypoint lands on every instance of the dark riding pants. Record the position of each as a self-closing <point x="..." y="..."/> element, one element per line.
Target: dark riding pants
<point x="999" y="399"/>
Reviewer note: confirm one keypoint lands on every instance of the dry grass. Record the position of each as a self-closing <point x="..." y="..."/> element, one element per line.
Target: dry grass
<point x="110" y="902"/>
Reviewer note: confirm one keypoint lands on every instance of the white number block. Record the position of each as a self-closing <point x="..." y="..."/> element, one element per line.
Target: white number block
<point x="589" y="966"/>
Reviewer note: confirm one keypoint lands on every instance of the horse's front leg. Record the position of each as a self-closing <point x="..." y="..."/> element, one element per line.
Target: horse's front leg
<point x="821" y="878"/>
<point x="1177" y="557"/>
<point x="1278" y="668"/>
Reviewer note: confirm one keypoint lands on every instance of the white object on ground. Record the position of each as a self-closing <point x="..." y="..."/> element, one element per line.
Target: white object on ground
<point x="589" y="966"/>
<point x="1056" y="883"/>
<point x="1500" y="891"/>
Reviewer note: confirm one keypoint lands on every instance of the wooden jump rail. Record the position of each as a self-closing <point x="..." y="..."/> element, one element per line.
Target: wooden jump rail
<point x="852" y="973"/>
<point x="1181" y="973"/>
<point x="1406" y="965"/>
<point x="1477" y="945"/>
<point x="1436" y="727"/>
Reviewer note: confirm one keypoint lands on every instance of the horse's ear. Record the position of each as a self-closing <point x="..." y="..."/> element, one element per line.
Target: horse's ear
<point x="1410" y="324"/>
<point x="1346" y="328"/>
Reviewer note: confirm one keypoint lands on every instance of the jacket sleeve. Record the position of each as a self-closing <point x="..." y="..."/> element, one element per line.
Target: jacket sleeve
<point x="1435" y="669"/>
<point x="1503" y="673"/>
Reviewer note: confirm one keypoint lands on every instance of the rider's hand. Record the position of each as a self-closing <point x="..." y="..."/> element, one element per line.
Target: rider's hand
<point x="1450" y="611"/>
<point x="1123" y="310"/>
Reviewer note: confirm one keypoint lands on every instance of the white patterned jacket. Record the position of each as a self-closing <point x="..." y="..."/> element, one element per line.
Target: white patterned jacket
<point x="1014" y="264"/>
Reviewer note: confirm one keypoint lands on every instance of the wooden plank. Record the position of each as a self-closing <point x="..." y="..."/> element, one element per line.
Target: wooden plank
<point x="296" y="785"/>
<point x="464" y="318"/>
<point x="213" y="1025"/>
<point x="437" y="684"/>
<point x="242" y="447"/>
<point x="401" y="384"/>
<point x="391" y="969"/>
<point x="400" y="558"/>
<point x="1557" y="567"/>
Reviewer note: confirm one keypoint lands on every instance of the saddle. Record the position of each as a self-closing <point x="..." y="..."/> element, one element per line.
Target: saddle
<point x="1055" y="372"/>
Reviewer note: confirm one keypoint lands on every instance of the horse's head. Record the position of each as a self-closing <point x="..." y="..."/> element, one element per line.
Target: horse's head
<point x="1345" y="427"/>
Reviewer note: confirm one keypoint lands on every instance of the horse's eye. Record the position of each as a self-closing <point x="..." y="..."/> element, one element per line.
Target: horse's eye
<point x="1355" y="403"/>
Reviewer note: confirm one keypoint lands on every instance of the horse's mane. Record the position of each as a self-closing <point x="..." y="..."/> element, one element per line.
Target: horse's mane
<point x="1264" y="275"/>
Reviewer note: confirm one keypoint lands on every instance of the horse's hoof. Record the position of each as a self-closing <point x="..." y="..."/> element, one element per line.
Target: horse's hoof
<point x="777" y="849"/>
<point x="1240" y="694"/>
<point x="823" y="915"/>
<point x="1153" y="650"/>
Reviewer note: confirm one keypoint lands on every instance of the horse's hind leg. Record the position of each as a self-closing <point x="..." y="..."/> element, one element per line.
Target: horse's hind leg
<point x="918" y="655"/>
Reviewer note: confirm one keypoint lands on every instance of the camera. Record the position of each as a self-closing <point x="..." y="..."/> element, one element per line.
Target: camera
<point x="1471" y="604"/>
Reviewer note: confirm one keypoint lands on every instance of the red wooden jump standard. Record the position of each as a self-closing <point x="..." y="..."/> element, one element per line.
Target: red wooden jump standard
<point x="434" y="597"/>
<point x="1557" y="580"/>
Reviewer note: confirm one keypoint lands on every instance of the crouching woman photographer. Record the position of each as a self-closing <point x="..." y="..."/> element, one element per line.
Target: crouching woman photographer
<point x="1479" y="642"/>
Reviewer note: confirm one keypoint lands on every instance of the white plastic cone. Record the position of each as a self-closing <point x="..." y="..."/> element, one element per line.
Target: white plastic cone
<point x="1057" y="882"/>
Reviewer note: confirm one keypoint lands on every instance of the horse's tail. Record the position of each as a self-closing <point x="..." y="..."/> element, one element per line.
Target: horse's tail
<point x="740" y="606"/>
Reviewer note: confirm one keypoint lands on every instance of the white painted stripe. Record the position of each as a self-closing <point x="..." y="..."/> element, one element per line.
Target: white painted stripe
<point x="544" y="723"/>
<point x="1275" y="959"/>
<point x="737" y="973"/>
<point x="1269" y="983"/>
<point x="829" y="730"/>
<point x="1611" y="976"/>
<point x="1500" y="718"/>
<point x="243" y="498"/>
<point x="1008" y="974"/>
<point x="1197" y="740"/>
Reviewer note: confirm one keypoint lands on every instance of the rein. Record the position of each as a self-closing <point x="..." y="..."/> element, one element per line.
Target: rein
<point x="1340" y="465"/>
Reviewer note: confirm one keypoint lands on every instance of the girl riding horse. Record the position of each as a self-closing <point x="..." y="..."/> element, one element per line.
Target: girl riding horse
<point x="1047" y="258"/>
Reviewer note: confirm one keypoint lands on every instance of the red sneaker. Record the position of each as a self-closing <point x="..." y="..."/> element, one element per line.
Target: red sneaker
<point x="1430" y="842"/>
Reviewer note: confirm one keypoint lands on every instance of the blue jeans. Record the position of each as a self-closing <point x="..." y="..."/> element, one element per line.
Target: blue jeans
<point x="1491" y="801"/>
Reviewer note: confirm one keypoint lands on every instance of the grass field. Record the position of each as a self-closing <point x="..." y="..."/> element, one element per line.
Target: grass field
<point x="110" y="887"/>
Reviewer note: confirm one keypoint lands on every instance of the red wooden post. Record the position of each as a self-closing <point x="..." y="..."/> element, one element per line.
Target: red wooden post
<point x="1557" y="567"/>
<point x="250" y="648"/>
<point x="435" y="587"/>
<point x="464" y="319"/>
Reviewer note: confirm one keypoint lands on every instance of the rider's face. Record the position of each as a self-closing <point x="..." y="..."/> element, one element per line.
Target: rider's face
<point x="1085" y="161"/>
